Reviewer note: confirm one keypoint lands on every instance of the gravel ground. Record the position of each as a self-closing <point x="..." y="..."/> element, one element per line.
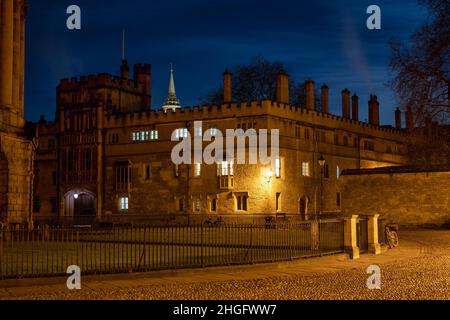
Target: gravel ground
<point x="424" y="276"/>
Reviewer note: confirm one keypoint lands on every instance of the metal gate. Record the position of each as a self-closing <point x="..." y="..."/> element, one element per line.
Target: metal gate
<point x="362" y="234"/>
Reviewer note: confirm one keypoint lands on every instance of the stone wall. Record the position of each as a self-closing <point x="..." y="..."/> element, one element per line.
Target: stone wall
<point x="16" y="175"/>
<point x="407" y="196"/>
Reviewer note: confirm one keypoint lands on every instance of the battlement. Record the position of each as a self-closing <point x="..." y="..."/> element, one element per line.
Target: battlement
<point x="99" y="80"/>
<point x="142" y="68"/>
<point x="251" y="109"/>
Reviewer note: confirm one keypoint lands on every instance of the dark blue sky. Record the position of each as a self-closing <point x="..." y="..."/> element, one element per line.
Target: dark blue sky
<point x="324" y="40"/>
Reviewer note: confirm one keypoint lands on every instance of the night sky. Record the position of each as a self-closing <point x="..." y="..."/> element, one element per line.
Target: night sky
<point x="327" y="41"/>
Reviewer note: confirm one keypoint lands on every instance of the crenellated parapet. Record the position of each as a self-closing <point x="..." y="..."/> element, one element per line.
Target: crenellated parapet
<point x="100" y="80"/>
<point x="252" y="109"/>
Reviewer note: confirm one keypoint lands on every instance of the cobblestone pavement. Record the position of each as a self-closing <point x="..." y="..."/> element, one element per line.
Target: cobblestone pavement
<point x="418" y="269"/>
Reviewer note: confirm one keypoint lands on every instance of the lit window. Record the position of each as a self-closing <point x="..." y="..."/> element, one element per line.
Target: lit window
<point x="181" y="133"/>
<point x="213" y="131"/>
<point x="226" y="168"/>
<point x="144" y="135"/>
<point x="338" y="172"/>
<point x="278" y="202"/>
<point x="277" y="167"/>
<point x="123" y="203"/>
<point x="136" y="136"/>
<point x="154" y="135"/>
<point x="197" y="204"/>
<point x="198" y="169"/>
<point x="305" y="169"/>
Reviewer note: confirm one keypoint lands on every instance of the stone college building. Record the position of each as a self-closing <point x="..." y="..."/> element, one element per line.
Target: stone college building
<point x="107" y="155"/>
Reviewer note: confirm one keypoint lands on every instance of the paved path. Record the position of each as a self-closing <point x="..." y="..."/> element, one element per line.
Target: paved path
<point x="418" y="269"/>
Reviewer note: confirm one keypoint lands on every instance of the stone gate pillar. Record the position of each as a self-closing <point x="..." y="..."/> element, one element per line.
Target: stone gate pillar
<point x="372" y="228"/>
<point x="350" y="233"/>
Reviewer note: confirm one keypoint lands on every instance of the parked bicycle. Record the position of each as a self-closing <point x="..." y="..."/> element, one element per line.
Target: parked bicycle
<point x="209" y="223"/>
<point x="391" y="235"/>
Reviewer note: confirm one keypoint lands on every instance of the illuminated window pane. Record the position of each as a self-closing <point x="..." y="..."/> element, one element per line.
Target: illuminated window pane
<point x="305" y="169"/>
<point x="198" y="169"/>
<point x="197" y="204"/>
<point x="123" y="203"/>
<point x="277" y="168"/>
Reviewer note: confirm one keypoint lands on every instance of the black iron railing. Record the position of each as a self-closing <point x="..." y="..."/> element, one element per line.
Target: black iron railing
<point x="50" y="251"/>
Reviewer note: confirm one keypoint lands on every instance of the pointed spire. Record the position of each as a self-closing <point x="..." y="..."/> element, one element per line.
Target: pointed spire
<point x="123" y="45"/>
<point x="124" y="67"/>
<point x="172" y="101"/>
<point x="171" y="82"/>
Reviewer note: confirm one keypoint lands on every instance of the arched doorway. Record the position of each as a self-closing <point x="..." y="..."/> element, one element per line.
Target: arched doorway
<point x="81" y="206"/>
<point x="303" y="205"/>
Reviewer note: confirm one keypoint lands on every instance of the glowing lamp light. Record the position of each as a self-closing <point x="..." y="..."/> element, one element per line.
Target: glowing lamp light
<point x="75" y="196"/>
<point x="269" y="173"/>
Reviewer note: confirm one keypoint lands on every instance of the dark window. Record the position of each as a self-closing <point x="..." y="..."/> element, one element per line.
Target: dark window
<point x="36" y="204"/>
<point x="369" y="145"/>
<point x="242" y="202"/>
<point x="306" y="133"/>
<point x="338" y="199"/>
<point x="214" y="205"/>
<point x="53" y="203"/>
<point x="147" y="172"/>
<point x="181" y="204"/>
<point x="51" y="144"/>
<point x="54" y="178"/>
<point x="326" y="173"/>
<point x="345" y="141"/>
<point x="336" y="139"/>
<point x="277" y="203"/>
<point x="123" y="177"/>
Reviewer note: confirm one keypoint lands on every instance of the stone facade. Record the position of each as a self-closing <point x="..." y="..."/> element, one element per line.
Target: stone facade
<point x="116" y="152"/>
<point x="16" y="151"/>
<point x="404" y="195"/>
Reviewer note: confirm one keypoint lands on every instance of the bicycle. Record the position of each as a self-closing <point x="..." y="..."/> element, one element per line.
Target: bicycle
<point x="391" y="235"/>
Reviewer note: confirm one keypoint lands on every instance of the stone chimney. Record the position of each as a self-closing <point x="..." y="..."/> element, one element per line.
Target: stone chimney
<point x="374" y="110"/>
<point x="227" y="87"/>
<point x="355" y="107"/>
<point x="283" y="88"/>
<point x="309" y="87"/>
<point x="143" y="75"/>
<point x="398" y="119"/>
<point x="125" y="70"/>
<point x="346" y="104"/>
<point x="409" y="119"/>
<point x="325" y="99"/>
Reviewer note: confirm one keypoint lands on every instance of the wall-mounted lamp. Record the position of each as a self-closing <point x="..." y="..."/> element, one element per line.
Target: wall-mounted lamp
<point x="75" y="196"/>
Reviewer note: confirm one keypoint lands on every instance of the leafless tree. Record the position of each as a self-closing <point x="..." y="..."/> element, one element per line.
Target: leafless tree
<point x="258" y="81"/>
<point x="421" y="74"/>
<point x="422" y="70"/>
